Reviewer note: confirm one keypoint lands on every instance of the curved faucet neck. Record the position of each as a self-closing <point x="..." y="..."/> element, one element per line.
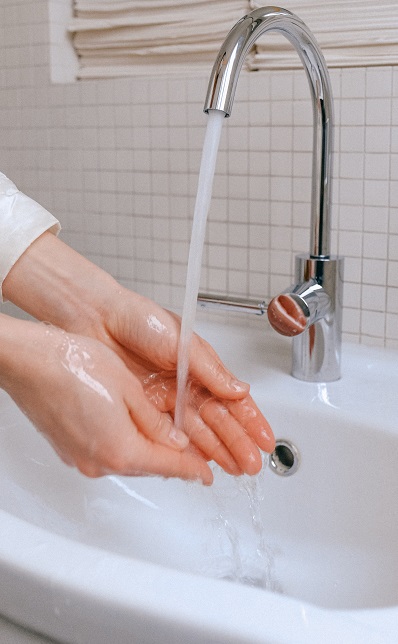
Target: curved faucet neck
<point x="221" y="91"/>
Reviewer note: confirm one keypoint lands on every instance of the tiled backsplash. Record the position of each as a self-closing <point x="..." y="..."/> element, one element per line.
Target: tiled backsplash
<point x="117" y="161"/>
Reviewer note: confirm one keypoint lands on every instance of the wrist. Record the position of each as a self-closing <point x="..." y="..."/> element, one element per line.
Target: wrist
<point x="14" y="334"/>
<point x="54" y="283"/>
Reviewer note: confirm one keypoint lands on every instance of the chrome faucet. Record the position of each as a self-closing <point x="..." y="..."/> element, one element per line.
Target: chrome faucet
<point x="311" y="310"/>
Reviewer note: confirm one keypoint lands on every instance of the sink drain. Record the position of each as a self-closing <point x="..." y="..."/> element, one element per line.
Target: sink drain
<point x="285" y="459"/>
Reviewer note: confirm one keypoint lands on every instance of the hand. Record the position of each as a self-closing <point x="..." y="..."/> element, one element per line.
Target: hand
<point x="221" y="418"/>
<point x="90" y="407"/>
<point x="56" y="284"/>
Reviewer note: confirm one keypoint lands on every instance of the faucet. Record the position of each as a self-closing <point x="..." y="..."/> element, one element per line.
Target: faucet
<point x="311" y="310"/>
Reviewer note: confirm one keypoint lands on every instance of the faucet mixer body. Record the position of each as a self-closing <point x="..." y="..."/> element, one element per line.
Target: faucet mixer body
<point x="311" y="310"/>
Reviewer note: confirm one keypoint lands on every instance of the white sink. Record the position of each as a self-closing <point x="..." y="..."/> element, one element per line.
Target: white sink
<point x="308" y="557"/>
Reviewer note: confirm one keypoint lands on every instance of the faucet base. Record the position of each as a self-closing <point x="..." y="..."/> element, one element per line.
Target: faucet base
<point x="317" y="351"/>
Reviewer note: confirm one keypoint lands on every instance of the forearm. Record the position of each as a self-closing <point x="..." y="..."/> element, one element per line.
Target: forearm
<point x="22" y="221"/>
<point x="15" y="338"/>
<point x="54" y="283"/>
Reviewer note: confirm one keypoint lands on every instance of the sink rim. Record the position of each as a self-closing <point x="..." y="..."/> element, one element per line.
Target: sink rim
<point x="30" y="552"/>
<point x="79" y="567"/>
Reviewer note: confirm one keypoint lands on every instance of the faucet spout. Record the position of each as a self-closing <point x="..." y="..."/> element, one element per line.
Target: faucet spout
<point x="311" y="310"/>
<point x="221" y="92"/>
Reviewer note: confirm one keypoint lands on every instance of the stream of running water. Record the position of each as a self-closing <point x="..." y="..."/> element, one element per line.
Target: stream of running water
<point x="202" y="206"/>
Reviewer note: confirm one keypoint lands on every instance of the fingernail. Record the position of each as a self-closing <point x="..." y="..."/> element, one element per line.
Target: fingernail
<point x="253" y="463"/>
<point x="206" y="479"/>
<point x="269" y="439"/>
<point x="238" y="386"/>
<point x="178" y="437"/>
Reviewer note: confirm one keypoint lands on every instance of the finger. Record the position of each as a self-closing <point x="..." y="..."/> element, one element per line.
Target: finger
<point x="153" y="423"/>
<point x="183" y="465"/>
<point x="207" y="367"/>
<point x="142" y="457"/>
<point x="148" y="458"/>
<point x="162" y="392"/>
<point x="247" y="413"/>
<point x="160" y="389"/>
<point x="206" y="441"/>
<point x="241" y="446"/>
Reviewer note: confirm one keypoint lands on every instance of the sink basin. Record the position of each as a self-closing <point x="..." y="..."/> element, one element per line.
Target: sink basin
<point x="305" y="557"/>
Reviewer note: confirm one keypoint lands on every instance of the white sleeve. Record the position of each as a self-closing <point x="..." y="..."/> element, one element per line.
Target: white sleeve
<point x="22" y="220"/>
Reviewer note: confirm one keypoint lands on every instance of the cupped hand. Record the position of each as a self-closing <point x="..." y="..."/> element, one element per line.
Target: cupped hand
<point x="221" y="419"/>
<point x="92" y="408"/>
<point x="54" y="283"/>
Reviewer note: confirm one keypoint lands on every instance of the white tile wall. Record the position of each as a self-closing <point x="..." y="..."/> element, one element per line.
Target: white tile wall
<point x="117" y="162"/>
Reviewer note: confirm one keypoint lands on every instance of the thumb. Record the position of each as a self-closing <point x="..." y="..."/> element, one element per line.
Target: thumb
<point x="152" y="423"/>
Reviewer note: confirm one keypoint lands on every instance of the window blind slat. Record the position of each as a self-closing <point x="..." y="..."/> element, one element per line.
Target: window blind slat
<point x="157" y="33"/>
<point x="111" y="37"/>
<point x="350" y="34"/>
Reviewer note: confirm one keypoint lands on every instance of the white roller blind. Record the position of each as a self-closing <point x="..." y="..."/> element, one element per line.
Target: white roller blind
<point x="133" y="36"/>
<point x="351" y="33"/>
<point x="139" y="36"/>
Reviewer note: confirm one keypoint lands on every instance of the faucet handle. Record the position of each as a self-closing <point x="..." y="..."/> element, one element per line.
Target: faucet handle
<point x="292" y="312"/>
<point x="288" y="314"/>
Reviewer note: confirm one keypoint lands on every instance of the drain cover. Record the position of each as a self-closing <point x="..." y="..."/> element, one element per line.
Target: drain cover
<point x="285" y="459"/>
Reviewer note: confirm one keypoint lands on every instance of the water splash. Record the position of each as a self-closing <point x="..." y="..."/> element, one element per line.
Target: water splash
<point x="254" y="488"/>
<point x="243" y="553"/>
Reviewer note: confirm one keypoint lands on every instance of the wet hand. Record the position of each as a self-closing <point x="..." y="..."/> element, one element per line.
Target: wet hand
<point x="90" y="407"/>
<point x="230" y="432"/>
<point x="54" y="283"/>
<point x="221" y="419"/>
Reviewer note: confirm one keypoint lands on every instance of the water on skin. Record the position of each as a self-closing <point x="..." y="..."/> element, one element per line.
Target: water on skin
<point x="76" y="359"/>
<point x="76" y="362"/>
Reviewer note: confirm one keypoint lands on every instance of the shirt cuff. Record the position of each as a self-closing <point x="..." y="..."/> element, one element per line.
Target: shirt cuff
<point x="22" y="221"/>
